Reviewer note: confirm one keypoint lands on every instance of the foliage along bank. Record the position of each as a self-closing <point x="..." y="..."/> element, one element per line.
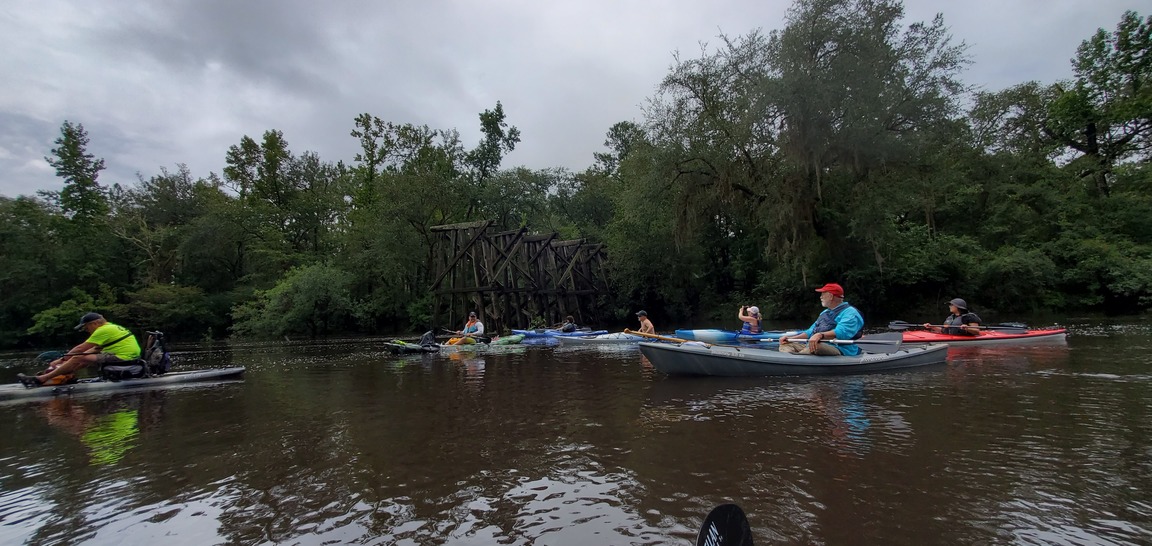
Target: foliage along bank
<point x="843" y="147"/>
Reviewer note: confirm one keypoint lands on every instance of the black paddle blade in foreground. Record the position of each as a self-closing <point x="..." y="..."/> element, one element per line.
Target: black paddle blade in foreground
<point x="725" y="526"/>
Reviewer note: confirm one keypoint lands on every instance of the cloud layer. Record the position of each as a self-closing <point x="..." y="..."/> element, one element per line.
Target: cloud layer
<point x="161" y="83"/>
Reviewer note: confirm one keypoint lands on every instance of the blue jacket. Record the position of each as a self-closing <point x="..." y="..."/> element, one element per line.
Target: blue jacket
<point x="849" y="323"/>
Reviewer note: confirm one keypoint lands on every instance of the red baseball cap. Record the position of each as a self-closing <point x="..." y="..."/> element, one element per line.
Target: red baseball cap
<point x="832" y="288"/>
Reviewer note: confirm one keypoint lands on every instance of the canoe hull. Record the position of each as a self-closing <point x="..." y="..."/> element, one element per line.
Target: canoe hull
<point x="602" y="339"/>
<point x="557" y="333"/>
<point x="714" y="335"/>
<point x="17" y="391"/>
<point x="990" y="337"/>
<point x="726" y="361"/>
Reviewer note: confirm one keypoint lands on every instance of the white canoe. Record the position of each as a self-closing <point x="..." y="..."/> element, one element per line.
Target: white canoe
<point x="602" y="339"/>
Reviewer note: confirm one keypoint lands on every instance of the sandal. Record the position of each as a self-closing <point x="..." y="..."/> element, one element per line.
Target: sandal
<point x="29" y="381"/>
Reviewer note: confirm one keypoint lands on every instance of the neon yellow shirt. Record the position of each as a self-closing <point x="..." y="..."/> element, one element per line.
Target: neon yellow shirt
<point x="126" y="349"/>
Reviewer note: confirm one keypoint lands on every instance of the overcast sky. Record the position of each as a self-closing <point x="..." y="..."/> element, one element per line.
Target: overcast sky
<point x="156" y="84"/>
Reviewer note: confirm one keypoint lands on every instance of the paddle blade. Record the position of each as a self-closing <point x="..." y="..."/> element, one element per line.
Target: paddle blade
<point x="49" y="356"/>
<point x="885" y="337"/>
<point x="725" y="526"/>
<point x="900" y="325"/>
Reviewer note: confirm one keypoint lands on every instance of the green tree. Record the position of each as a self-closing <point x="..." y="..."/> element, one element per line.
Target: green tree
<point x="30" y="279"/>
<point x="82" y="199"/>
<point x="499" y="140"/>
<point x="313" y="300"/>
<point x="1105" y="115"/>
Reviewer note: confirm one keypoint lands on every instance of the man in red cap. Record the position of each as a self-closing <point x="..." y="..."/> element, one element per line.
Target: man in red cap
<point x="839" y="320"/>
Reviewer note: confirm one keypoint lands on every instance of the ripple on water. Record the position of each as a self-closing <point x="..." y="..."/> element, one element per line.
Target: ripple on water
<point x="343" y="444"/>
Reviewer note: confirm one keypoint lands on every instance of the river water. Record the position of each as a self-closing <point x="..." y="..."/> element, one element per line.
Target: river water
<point x="337" y="442"/>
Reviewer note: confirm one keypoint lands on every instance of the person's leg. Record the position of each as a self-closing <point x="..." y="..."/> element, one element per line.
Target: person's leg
<point x="827" y="349"/>
<point x="794" y="348"/>
<point x="70" y="366"/>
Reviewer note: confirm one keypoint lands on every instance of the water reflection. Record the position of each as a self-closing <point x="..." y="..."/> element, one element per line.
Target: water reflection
<point x="342" y="443"/>
<point x="107" y="437"/>
<point x="843" y="405"/>
<point x="107" y="428"/>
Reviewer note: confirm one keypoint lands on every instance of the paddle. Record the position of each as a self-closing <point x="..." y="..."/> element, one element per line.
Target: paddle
<point x="725" y="525"/>
<point x="1016" y="328"/>
<point x="479" y="338"/>
<point x="665" y="338"/>
<point x="873" y="339"/>
<point x="49" y="356"/>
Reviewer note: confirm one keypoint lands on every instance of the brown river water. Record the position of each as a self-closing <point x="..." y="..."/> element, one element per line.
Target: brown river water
<point x="337" y="442"/>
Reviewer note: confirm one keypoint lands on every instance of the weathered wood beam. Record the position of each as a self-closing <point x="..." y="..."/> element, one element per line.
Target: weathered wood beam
<point x="466" y="225"/>
<point x="459" y="256"/>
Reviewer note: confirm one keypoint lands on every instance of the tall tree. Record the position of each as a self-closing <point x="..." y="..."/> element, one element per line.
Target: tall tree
<point x="83" y="198"/>
<point x="1105" y="116"/>
<point x="499" y="139"/>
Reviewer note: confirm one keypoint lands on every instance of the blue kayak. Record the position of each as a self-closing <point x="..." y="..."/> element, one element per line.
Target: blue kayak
<point x="714" y="335"/>
<point x="548" y="332"/>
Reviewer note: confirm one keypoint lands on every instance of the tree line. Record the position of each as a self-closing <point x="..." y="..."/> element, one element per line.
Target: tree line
<point x="844" y="147"/>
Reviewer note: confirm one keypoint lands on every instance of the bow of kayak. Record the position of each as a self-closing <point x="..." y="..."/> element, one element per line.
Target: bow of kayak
<point x="990" y="337"/>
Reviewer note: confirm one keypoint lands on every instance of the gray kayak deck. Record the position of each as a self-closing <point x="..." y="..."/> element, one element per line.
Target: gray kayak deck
<point x="16" y="391"/>
<point x="617" y="338"/>
<point x="730" y="361"/>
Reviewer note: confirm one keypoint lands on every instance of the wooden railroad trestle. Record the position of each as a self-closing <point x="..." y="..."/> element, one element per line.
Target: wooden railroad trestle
<point x="511" y="277"/>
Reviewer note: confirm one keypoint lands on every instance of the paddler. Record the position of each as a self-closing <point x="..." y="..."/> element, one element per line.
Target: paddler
<point x="107" y="344"/>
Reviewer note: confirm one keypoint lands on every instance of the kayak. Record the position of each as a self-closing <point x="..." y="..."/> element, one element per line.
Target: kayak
<point x="545" y="332"/>
<point x="695" y="358"/>
<point x="398" y="347"/>
<point x="16" y="391"/>
<point x="990" y="337"/>
<point x="602" y="339"/>
<point x="714" y="335"/>
<point x="508" y="340"/>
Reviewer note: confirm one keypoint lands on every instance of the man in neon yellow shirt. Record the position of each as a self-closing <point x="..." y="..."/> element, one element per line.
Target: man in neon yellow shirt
<point x="107" y="343"/>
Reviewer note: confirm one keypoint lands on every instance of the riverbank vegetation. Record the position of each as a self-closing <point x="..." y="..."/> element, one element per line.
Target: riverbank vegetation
<point x="844" y="147"/>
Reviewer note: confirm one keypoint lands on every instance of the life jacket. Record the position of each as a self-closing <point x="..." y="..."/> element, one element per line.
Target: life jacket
<point x="827" y="320"/>
<point x="752" y="327"/>
<point x="953" y="324"/>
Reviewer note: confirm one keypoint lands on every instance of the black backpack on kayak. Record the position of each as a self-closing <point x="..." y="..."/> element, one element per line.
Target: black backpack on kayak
<point x="152" y="362"/>
<point x="156" y="354"/>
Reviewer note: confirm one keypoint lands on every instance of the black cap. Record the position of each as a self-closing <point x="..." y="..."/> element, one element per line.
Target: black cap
<point x="472" y="314"/>
<point x="641" y="313"/>
<point x="88" y="317"/>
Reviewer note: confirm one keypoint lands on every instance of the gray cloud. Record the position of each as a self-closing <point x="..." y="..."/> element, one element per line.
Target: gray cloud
<point x="161" y="83"/>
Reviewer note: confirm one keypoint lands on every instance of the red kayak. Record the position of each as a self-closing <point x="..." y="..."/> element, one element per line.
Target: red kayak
<point x="990" y="337"/>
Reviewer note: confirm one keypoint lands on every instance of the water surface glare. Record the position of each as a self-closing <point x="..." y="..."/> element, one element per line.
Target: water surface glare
<point x="338" y="442"/>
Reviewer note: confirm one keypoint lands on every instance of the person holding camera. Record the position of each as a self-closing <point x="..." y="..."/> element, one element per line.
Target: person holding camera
<point x="750" y="315"/>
